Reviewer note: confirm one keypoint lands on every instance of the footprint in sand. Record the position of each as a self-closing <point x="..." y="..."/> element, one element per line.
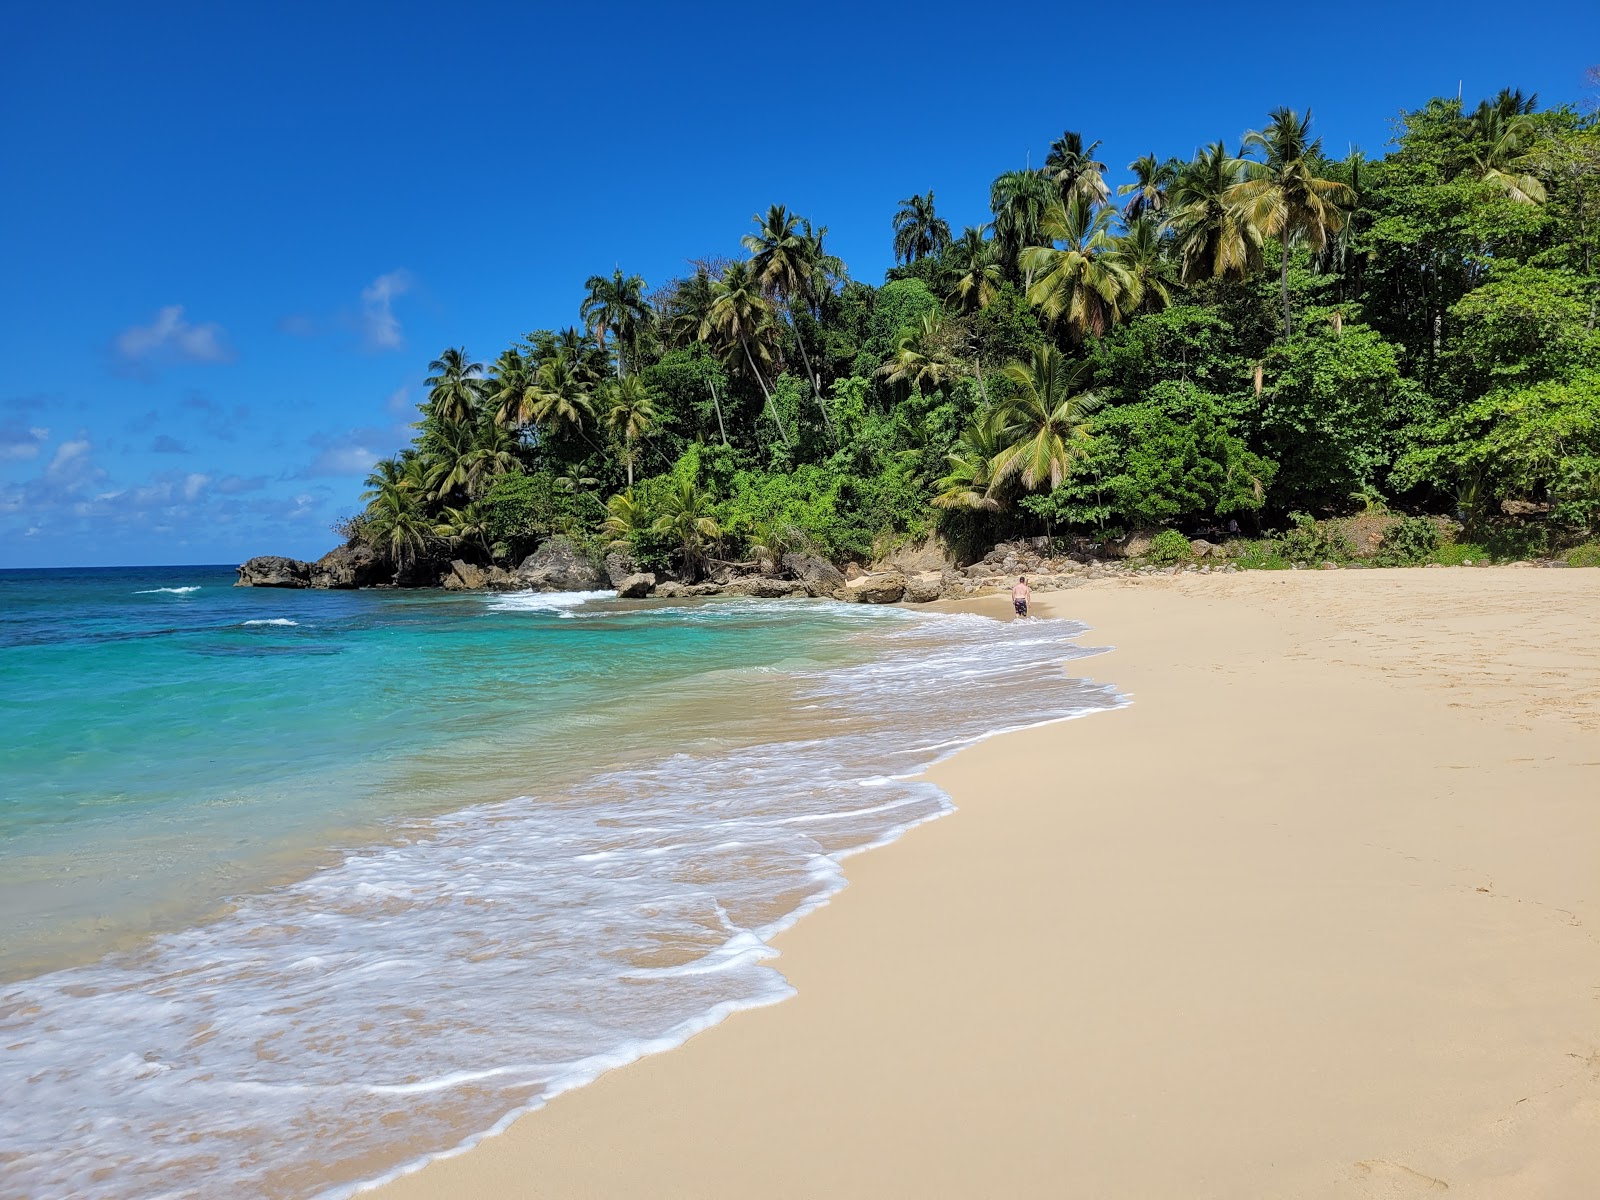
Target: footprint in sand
<point x="1387" y="1180"/>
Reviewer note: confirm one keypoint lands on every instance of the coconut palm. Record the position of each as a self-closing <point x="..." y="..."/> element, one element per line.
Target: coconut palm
<point x="1143" y="254"/>
<point x="1282" y="197"/>
<point x="559" y="397"/>
<point x="978" y="276"/>
<point x="616" y="306"/>
<point x="785" y="256"/>
<point x="1047" y="419"/>
<point x="1214" y="240"/>
<point x="493" y="454"/>
<point x="1082" y="283"/>
<point x="1074" y="170"/>
<point x="625" y="518"/>
<point x="458" y="526"/>
<point x="1152" y="179"/>
<point x="687" y="516"/>
<point x="918" y="230"/>
<point x="1501" y="135"/>
<point x="923" y="358"/>
<point x="628" y="413"/>
<point x="686" y="307"/>
<point x="397" y="525"/>
<point x="741" y="318"/>
<point x="573" y="480"/>
<point x="970" y="481"/>
<point x="455" y="386"/>
<point x="507" y="389"/>
<point x="1019" y="200"/>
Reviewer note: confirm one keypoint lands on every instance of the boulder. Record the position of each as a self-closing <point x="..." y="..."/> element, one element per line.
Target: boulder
<point x="635" y="587"/>
<point x="557" y="566"/>
<point x="498" y="579"/>
<point x="884" y="588"/>
<point x="924" y="586"/>
<point x="464" y="577"/>
<point x="1201" y="548"/>
<point x="673" y="590"/>
<point x="1135" y="545"/>
<point x="853" y="571"/>
<point x="765" y="587"/>
<point x="273" y="570"/>
<point x="819" y="575"/>
<point x="618" y="566"/>
<point x="347" y="567"/>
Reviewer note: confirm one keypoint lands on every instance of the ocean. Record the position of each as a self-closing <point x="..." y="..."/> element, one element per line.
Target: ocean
<point x="298" y="889"/>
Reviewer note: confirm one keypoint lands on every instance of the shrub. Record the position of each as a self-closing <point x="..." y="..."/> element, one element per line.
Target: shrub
<point x="1309" y="542"/>
<point x="1585" y="556"/>
<point x="1409" y="543"/>
<point x="1168" y="548"/>
<point x="1454" y="554"/>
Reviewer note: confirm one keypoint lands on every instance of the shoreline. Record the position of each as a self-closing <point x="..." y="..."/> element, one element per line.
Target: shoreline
<point x="1218" y="981"/>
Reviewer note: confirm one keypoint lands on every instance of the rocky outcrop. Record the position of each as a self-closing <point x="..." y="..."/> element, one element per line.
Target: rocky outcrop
<point x="635" y="587"/>
<point x="821" y="577"/>
<point x="1135" y="545"/>
<point x="764" y="586"/>
<point x="673" y="590"/>
<point x="617" y="567"/>
<point x="348" y="567"/>
<point x="273" y="570"/>
<point x="887" y="587"/>
<point x="925" y="587"/>
<point x="1201" y="548"/>
<point x="469" y="577"/>
<point x="557" y="566"/>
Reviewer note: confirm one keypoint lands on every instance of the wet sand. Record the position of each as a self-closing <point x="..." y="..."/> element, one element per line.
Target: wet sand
<point x="1315" y="916"/>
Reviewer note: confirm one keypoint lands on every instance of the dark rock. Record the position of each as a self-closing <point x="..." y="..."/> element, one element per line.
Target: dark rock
<point x="924" y="587"/>
<point x="673" y="590"/>
<point x="498" y="579"/>
<point x="636" y="587"/>
<point x="1135" y="545"/>
<point x="348" y="567"/>
<point x="765" y="587"/>
<point x="557" y="566"/>
<point x="273" y="570"/>
<point x="464" y="577"/>
<point x="819" y="575"/>
<point x="885" y="588"/>
<point x="618" y="566"/>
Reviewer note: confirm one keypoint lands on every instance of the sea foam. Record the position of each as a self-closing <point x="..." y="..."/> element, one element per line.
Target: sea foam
<point x="544" y="601"/>
<point x="174" y="591"/>
<point x="493" y="957"/>
<point x="271" y="621"/>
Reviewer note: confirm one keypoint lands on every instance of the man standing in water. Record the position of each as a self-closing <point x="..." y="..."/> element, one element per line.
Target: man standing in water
<point x="1019" y="596"/>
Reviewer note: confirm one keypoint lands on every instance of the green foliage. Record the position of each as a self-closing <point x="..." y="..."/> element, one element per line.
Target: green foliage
<point x="1169" y="548"/>
<point x="1408" y="543"/>
<point x="1458" y="554"/>
<point x="1311" y="542"/>
<point x="898" y="309"/>
<point x="1587" y="555"/>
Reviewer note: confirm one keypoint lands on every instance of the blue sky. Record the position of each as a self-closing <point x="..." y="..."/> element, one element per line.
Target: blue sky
<point x="236" y="234"/>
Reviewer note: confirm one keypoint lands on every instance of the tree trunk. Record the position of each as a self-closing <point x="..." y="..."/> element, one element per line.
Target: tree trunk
<point x="717" y="404"/>
<point x="816" y="384"/>
<point x="772" y="409"/>
<point x="1284" y="281"/>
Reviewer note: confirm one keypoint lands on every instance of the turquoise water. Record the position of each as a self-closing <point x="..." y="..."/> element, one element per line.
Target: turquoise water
<point x="398" y="865"/>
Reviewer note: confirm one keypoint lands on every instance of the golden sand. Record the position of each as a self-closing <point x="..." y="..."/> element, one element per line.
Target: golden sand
<point x="1315" y="916"/>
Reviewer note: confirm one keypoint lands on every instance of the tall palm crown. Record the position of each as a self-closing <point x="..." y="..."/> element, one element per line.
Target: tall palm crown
<point x="455" y="386"/>
<point x="1048" y="418"/>
<point x="1075" y="171"/>
<point x="1152" y="177"/>
<point x="616" y="306"/>
<point x="1143" y="253"/>
<point x="787" y="259"/>
<point x="923" y="358"/>
<point x="741" y="320"/>
<point x="629" y="415"/>
<point x="1282" y="196"/>
<point x="1500" y="135"/>
<point x="507" y="388"/>
<point x="918" y="230"/>
<point x="1083" y="282"/>
<point x="1214" y="239"/>
<point x="978" y="274"/>
<point x="685" y="309"/>
<point x="1019" y="200"/>
<point x="559" y="397"/>
<point x="970" y="481"/>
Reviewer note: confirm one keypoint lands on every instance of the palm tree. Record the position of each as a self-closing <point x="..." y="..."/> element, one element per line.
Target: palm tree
<point x="455" y="386"/>
<point x="1143" y="254"/>
<point x="459" y="525"/>
<point x="1019" y="200"/>
<point x="625" y="517"/>
<point x="1280" y="195"/>
<point x="979" y="275"/>
<point x="741" y="317"/>
<point x="784" y="259"/>
<point x="1152" y="178"/>
<point x="560" y="397"/>
<point x="923" y="358"/>
<point x="629" y="414"/>
<point x="1048" y="418"/>
<point x="1500" y="136"/>
<point x="1084" y="282"/>
<point x="573" y="480"/>
<point x="396" y="523"/>
<point x="686" y="515"/>
<point x="1074" y="170"/>
<point x="970" y="481"/>
<point x="493" y="454"/>
<point x="686" y="308"/>
<point x="507" y="389"/>
<point x="918" y="230"/>
<point x="1214" y="240"/>
<point x="616" y="306"/>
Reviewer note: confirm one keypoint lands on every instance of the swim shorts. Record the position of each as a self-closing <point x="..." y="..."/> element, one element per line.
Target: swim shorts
<point x="1021" y="607"/>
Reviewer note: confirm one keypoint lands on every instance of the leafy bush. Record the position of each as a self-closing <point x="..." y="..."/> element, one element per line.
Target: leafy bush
<point x="1168" y="548"/>
<point x="1455" y="554"/>
<point x="1410" y="543"/>
<point x="1585" y="556"/>
<point x="1260" y="556"/>
<point x="1310" y="542"/>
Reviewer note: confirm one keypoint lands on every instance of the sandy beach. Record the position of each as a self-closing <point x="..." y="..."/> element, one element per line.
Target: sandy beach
<point x="1315" y="915"/>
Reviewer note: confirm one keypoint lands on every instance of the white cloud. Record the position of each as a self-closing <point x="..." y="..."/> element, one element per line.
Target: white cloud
<point x="344" y="460"/>
<point x="170" y="336"/>
<point x="18" y="441"/>
<point x="379" y="326"/>
<point x="400" y="403"/>
<point x="71" y="466"/>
